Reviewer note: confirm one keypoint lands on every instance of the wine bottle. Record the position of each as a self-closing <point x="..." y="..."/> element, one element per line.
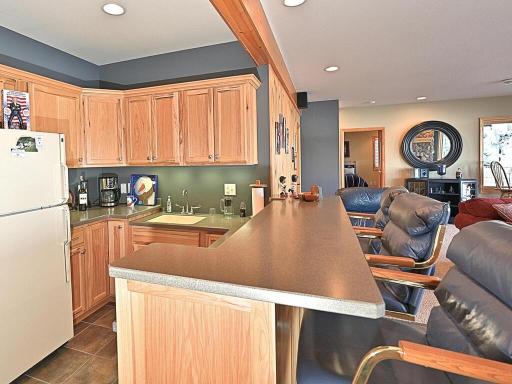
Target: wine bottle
<point x="82" y="195"/>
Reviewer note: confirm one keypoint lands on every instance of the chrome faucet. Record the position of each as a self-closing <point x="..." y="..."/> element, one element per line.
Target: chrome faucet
<point x="187" y="209"/>
<point x="185" y="195"/>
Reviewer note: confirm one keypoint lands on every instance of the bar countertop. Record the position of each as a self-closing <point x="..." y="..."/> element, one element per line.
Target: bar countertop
<point x="292" y="253"/>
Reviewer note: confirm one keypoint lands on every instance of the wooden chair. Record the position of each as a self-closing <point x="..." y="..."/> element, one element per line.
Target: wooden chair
<point x="501" y="179"/>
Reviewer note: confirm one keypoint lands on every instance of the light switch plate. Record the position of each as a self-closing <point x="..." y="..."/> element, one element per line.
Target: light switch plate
<point x="229" y="189"/>
<point x="124" y="188"/>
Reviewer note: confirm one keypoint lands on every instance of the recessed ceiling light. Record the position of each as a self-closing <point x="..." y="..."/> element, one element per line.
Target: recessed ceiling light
<point x="293" y="3"/>
<point x="372" y="102"/>
<point x="113" y="9"/>
<point x="332" y="68"/>
<point x="421" y="98"/>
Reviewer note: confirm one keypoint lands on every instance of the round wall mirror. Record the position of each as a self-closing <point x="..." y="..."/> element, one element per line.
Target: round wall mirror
<point x="432" y="143"/>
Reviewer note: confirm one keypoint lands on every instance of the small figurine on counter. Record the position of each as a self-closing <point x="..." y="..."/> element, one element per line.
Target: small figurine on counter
<point x="293" y="187"/>
<point x="282" y="186"/>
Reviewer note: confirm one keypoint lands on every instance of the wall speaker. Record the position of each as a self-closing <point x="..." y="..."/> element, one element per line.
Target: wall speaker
<point x="302" y="100"/>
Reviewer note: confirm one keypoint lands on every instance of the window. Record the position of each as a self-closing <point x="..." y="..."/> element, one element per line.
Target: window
<point x="495" y="145"/>
<point x="376" y="154"/>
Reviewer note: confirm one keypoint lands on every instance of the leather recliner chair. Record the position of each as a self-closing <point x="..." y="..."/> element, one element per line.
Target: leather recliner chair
<point x="469" y="334"/>
<point x="367" y="207"/>
<point x="411" y="232"/>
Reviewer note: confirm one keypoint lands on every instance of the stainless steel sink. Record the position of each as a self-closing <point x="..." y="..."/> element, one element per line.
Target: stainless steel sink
<point x="177" y="219"/>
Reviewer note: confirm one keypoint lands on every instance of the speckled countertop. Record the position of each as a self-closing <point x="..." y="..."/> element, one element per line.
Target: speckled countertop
<point x="291" y="253"/>
<point x="98" y="213"/>
<point x="212" y="223"/>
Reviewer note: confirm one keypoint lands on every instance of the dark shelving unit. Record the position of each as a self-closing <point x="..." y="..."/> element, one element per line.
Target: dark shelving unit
<point x="452" y="191"/>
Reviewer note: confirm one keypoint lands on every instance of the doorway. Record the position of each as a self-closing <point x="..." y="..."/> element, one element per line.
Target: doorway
<point x="362" y="155"/>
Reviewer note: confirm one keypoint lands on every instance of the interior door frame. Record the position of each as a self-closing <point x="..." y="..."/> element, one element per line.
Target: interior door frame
<point x="381" y="132"/>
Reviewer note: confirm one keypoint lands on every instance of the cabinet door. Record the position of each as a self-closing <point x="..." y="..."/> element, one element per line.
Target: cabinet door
<point x="230" y="128"/>
<point x="138" y="130"/>
<point x="116" y="245"/>
<point x="197" y="124"/>
<point x="212" y="238"/>
<point x="78" y="281"/>
<point x="58" y="110"/>
<point x="7" y="81"/>
<point x="103" y="130"/>
<point x="97" y="263"/>
<point x="166" y="129"/>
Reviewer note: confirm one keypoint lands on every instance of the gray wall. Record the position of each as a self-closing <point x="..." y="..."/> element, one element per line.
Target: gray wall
<point x="204" y="183"/>
<point x="174" y="65"/>
<point x="30" y="55"/>
<point x="319" y="145"/>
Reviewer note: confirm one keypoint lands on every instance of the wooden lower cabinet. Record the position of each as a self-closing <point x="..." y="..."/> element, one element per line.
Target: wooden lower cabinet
<point x="212" y="238"/>
<point x="117" y="244"/>
<point x="78" y="281"/>
<point x="142" y="236"/>
<point x="89" y="268"/>
<point x="172" y="335"/>
<point x="97" y="257"/>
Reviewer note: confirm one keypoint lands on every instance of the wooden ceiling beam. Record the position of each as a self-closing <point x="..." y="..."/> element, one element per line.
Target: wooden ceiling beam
<point x="248" y="22"/>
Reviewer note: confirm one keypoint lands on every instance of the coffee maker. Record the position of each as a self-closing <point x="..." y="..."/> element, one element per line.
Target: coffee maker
<point x="108" y="186"/>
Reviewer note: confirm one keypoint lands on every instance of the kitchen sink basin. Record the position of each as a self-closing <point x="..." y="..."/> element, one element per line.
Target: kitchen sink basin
<point x="176" y="219"/>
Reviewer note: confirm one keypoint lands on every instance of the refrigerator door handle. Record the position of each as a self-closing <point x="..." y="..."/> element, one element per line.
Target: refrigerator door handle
<point x="65" y="185"/>
<point x="67" y="241"/>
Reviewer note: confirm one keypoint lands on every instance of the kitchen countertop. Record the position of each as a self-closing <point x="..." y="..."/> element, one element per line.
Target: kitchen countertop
<point x="93" y="214"/>
<point x="291" y="253"/>
<point x="212" y="223"/>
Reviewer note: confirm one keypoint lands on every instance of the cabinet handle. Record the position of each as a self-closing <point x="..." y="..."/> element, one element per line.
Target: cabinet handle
<point x="216" y="157"/>
<point x="148" y="158"/>
<point x="210" y="157"/>
<point x="120" y="159"/>
<point x="154" y="157"/>
<point x="119" y="227"/>
<point x="80" y="159"/>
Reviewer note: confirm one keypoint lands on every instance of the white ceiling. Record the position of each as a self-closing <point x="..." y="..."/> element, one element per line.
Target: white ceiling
<point x="148" y="27"/>
<point x="392" y="51"/>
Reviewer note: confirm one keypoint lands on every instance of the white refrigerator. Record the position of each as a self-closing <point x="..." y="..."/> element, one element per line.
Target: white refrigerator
<point x="35" y="277"/>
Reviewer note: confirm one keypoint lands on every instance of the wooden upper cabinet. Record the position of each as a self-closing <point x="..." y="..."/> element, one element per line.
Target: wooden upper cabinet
<point x="230" y="127"/>
<point x="138" y="130"/>
<point x="166" y="137"/>
<point x="197" y="125"/>
<point x="57" y="110"/>
<point x="97" y="259"/>
<point x="103" y="129"/>
<point x="8" y="82"/>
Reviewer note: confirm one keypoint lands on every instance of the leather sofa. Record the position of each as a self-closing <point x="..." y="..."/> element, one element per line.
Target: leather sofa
<point x="474" y="318"/>
<point x="413" y="225"/>
<point x="478" y="209"/>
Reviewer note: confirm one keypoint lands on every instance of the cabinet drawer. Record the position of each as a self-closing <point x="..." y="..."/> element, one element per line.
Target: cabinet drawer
<point x="147" y="235"/>
<point x="77" y="237"/>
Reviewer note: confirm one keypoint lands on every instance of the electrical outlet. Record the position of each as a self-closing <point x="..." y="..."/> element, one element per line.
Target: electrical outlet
<point x="229" y="189"/>
<point x="124" y="188"/>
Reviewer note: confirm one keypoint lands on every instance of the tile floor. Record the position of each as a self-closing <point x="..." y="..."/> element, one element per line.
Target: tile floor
<point x="89" y="357"/>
